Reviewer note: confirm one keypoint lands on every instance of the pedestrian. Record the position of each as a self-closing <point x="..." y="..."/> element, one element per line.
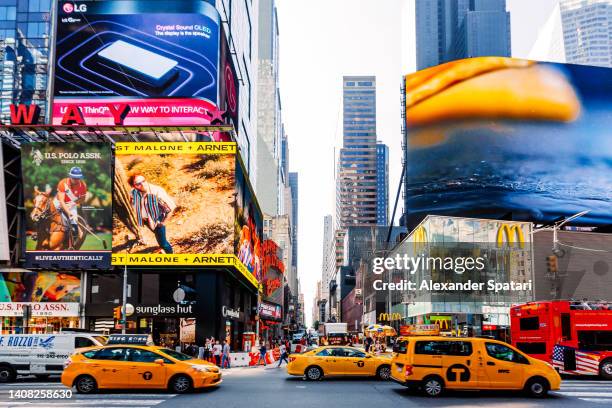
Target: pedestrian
<point x="217" y="353"/>
<point x="262" y="354"/>
<point x="368" y="344"/>
<point x="283" y="355"/>
<point x="225" y="360"/>
<point x="207" y="349"/>
<point x="201" y="351"/>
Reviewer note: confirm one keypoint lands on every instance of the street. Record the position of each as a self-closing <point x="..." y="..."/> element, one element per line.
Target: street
<point x="271" y="387"/>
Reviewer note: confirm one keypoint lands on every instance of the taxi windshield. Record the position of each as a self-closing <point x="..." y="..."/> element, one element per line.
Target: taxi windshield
<point x="175" y="354"/>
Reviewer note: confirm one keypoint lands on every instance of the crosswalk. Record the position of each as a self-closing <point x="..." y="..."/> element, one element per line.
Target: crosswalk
<point x="592" y="391"/>
<point x="116" y="399"/>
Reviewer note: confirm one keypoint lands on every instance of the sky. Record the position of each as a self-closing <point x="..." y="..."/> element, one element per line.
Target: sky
<point x="322" y="40"/>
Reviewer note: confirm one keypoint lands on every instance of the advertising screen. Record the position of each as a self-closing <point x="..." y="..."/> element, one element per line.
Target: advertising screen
<point x="248" y="225"/>
<point x="40" y="287"/>
<point x="174" y="198"/>
<point x="161" y="58"/>
<point x="270" y="311"/>
<point x="509" y="139"/>
<point x="67" y="198"/>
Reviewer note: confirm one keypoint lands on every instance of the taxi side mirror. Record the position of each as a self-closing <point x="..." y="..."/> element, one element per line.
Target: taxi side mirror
<point x="159" y="361"/>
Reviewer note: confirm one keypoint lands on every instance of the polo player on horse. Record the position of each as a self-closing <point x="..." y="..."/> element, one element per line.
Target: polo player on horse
<point x="71" y="192"/>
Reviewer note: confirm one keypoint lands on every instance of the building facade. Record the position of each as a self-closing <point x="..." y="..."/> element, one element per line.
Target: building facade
<point x="586" y="31"/>
<point x="293" y="184"/>
<point x="328" y="264"/>
<point x="382" y="184"/>
<point x="240" y="19"/>
<point x="448" y="30"/>
<point x="269" y="125"/>
<point x="25" y="39"/>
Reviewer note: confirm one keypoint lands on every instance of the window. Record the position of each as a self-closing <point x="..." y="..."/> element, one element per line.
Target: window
<point x="504" y="353"/>
<point x="90" y="353"/>
<point x="176" y="355"/>
<point x="566" y="326"/>
<point x="532" y="348"/>
<point x="83" y="342"/>
<point x="8" y="13"/>
<point x="144" y="356"/>
<point x="354" y="353"/>
<point x="530" y="323"/>
<point x="115" y="354"/>
<point x="446" y="348"/>
<point x="338" y="352"/>
<point x="324" y="353"/>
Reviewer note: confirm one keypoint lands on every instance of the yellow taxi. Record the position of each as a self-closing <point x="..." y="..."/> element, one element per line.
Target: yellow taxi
<point x="137" y="366"/>
<point x="338" y="361"/>
<point x="435" y="363"/>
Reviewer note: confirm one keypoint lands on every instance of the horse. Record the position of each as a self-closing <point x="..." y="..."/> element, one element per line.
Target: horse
<point x="51" y="233"/>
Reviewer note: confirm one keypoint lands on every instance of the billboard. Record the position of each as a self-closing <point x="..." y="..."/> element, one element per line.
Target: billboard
<point x="271" y="311"/>
<point x="248" y="225"/>
<point x="512" y="139"/>
<point x="184" y="203"/>
<point x="229" y="86"/>
<point x="160" y="58"/>
<point x="25" y="287"/>
<point x="67" y="198"/>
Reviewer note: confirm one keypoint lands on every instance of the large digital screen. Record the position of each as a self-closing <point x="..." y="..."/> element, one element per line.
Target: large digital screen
<point x="248" y="225"/>
<point x="509" y="139"/>
<point x="161" y="58"/>
<point x="184" y="203"/>
<point x="68" y="200"/>
<point x="40" y="287"/>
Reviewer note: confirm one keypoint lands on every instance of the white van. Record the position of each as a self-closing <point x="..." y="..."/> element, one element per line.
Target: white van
<point x="40" y="354"/>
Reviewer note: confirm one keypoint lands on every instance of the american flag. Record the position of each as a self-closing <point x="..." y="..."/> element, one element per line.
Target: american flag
<point x="586" y="363"/>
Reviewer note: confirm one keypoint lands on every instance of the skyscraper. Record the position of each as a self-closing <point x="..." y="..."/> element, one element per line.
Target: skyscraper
<point x="269" y="185"/>
<point x="293" y="184"/>
<point x="587" y="31"/>
<point x="25" y="27"/>
<point x="356" y="181"/>
<point x="382" y="183"/>
<point x="448" y="30"/>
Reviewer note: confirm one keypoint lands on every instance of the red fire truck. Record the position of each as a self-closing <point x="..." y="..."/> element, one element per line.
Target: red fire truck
<point x="575" y="337"/>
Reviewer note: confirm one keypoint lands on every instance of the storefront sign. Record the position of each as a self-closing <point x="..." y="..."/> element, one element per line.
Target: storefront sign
<point x="40" y="309"/>
<point x="163" y="310"/>
<point x="443" y="321"/>
<point x="231" y="313"/>
<point x="271" y="311"/>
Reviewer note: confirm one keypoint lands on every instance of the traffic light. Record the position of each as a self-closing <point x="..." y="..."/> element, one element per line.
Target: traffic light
<point x="117" y="312"/>
<point x="552" y="264"/>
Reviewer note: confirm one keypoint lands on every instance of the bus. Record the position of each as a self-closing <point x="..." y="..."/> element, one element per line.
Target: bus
<point x="575" y="337"/>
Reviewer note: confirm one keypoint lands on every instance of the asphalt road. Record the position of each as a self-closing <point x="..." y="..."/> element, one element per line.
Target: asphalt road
<point x="271" y="387"/>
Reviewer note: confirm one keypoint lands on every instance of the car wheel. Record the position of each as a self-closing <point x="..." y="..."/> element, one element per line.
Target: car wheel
<point x="384" y="372"/>
<point x="605" y="369"/>
<point x="86" y="384"/>
<point x="313" y="373"/>
<point x="537" y="387"/>
<point x="432" y="386"/>
<point x="7" y="374"/>
<point x="181" y="384"/>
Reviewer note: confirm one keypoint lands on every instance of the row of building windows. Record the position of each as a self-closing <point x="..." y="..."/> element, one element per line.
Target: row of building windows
<point x="359" y="83"/>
